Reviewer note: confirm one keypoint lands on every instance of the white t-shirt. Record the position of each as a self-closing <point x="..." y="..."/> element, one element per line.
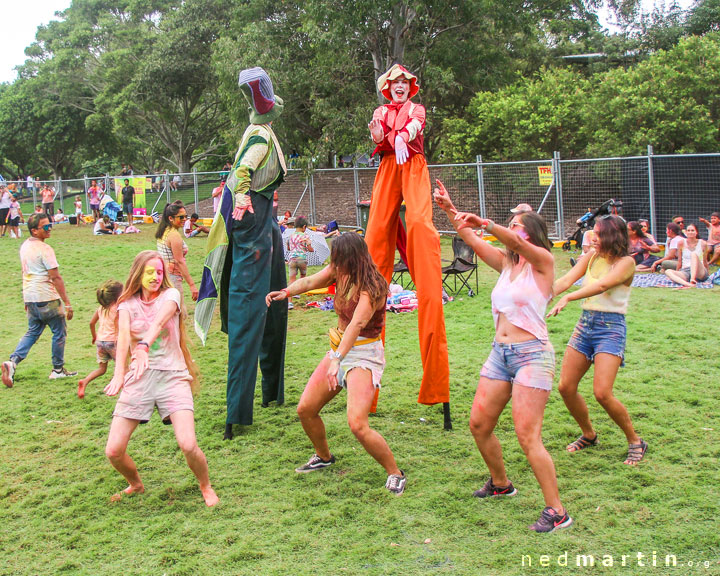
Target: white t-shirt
<point x="187" y="228"/>
<point x="673" y="244"/>
<point x="5" y="199"/>
<point x="165" y="352"/>
<point x="37" y="259"/>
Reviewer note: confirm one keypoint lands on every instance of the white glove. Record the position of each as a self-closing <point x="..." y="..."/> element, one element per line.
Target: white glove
<point x="242" y="204"/>
<point x="401" y="150"/>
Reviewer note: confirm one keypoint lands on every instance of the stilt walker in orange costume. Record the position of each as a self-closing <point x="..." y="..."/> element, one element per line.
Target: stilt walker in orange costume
<point x="397" y="130"/>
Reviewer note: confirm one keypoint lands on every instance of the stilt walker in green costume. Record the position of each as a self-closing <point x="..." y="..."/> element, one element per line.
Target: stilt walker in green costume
<point x="245" y="260"/>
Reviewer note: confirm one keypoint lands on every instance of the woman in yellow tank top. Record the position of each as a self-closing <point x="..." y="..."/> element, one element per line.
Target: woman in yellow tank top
<point x="600" y="334"/>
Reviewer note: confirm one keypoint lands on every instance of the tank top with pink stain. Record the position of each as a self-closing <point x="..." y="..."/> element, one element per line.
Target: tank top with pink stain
<point x="521" y="301"/>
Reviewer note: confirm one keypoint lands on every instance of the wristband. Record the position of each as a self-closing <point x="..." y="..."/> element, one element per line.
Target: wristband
<point x="490" y="225"/>
<point x="287" y="292"/>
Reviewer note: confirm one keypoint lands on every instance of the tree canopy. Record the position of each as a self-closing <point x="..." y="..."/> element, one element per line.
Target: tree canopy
<point x="154" y="82"/>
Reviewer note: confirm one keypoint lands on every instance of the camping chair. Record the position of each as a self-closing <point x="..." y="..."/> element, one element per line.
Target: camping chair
<point x="462" y="268"/>
<point x="399" y="271"/>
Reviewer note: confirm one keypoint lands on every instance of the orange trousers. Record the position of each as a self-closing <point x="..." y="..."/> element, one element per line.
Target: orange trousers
<point x="411" y="182"/>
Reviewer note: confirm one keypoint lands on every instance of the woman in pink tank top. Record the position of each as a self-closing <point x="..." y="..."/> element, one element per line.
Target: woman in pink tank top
<point x="521" y="364"/>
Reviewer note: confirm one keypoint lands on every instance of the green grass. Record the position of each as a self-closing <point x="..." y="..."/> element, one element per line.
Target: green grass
<point x="54" y="497"/>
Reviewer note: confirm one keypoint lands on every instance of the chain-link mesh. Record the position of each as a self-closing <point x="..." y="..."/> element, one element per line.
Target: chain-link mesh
<point x="686" y="185"/>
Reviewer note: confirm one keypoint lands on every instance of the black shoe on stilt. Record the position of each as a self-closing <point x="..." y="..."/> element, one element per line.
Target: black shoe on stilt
<point x="228" y="432"/>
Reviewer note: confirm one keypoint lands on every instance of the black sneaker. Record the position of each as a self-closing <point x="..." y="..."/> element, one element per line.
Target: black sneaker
<point x="396" y="483"/>
<point x="550" y="521"/>
<point x="490" y="490"/>
<point x="315" y="463"/>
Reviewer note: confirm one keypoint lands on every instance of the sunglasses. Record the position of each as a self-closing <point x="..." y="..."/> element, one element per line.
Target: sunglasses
<point x="47" y="227"/>
<point x="183" y="217"/>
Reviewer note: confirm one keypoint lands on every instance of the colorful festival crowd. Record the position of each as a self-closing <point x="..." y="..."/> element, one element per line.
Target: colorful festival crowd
<point x="141" y="324"/>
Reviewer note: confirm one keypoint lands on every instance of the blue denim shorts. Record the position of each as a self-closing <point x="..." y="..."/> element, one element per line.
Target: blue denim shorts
<point x="530" y="364"/>
<point x="600" y="333"/>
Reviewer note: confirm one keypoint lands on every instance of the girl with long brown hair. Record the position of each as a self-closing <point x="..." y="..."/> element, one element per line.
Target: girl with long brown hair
<point x="160" y="374"/>
<point x="521" y="364"/>
<point x="600" y="334"/>
<point x="357" y="357"/>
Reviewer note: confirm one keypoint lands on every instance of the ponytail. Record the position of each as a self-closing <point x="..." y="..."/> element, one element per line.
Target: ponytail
<point x="169" y="211"/>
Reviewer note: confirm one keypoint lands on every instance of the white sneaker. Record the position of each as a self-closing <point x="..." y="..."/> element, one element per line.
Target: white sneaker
<point x="8" y="373"/>
<point x="62" y="373"/>
<point x="396" y="483"/>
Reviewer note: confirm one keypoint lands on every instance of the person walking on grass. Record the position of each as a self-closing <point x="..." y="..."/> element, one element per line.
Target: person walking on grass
<point x="298" y="245"/>
<point x="357" y="357"/>
<point x="105" y="339"/>
<point x="521" y="364"/>
<point x="44" y="294"/>
<point x="161" y="372"/>
<point x="600" y="334"/>
<point x="173" y="248"/>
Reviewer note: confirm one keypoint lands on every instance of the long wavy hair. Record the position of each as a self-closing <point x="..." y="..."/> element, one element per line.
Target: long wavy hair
<point x="613" y="239"/>
<point x="355" y="270"/>
<point x="636" y="228"/>
<point x="170" y="210"/>
<point x="133" y="286"/>
<point x="536" y="229"/>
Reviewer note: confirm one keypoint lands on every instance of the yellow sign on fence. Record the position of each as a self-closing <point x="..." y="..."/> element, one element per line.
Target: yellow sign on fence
<point x="545" y="175"/>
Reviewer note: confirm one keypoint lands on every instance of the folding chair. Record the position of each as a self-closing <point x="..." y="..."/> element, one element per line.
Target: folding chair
<point x="399" y="271"/>
<point x="462" y="268"/>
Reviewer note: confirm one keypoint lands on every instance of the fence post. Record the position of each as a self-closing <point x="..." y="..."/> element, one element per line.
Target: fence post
<point x="356" y="179"/>
<point x="86" y="185"/>
<point x="312" y="198"/>
<point x="560" y="225"/>
<point x="107" y="185"/>
<point x="651" y="192"/>
<point x="195" y="186"/>
<point x="59" y="192"/>
<point x="481" y="186"/>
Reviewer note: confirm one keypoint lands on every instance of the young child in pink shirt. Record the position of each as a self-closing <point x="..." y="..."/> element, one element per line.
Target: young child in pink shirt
<point x="105" y="339"/>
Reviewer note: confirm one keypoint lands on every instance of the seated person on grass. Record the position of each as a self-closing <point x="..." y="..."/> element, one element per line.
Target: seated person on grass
<point x="191" y="227"/>
<point x="692" y="264"/>
<point x="670" y="259"/>
<point x="105" y="226"/>
<point x="713" y="240"/>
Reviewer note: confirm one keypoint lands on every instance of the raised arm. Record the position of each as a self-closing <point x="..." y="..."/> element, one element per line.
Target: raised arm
<point x="492" y="256"/>
<point x="574" y="274"/>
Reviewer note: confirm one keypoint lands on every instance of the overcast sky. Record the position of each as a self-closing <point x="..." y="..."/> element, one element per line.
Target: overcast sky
<point x="21" y="18"/>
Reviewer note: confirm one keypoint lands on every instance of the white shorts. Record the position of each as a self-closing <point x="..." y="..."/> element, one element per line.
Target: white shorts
<point x="368" y="356"/>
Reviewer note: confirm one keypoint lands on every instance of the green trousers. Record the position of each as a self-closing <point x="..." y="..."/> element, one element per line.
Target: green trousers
<point x="255" y="332"/>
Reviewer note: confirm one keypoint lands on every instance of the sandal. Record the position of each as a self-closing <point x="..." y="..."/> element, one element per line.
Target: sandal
<point x="636" y="453"/>
<point x="582" y="443"/>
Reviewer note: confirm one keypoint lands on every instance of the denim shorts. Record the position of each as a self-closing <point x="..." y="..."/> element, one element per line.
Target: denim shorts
<point x="600" y="333"/>
<point x="368" y="356"/>
<point x="530" y="364"/>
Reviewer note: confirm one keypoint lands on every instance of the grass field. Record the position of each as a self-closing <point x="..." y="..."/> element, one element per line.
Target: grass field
<point x="54" y="497"/>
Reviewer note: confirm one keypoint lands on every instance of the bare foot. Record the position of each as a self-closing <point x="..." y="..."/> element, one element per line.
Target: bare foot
<point x="127" y="492"/>
<point x="209" y="496"/>
<point x="81" y="388"/>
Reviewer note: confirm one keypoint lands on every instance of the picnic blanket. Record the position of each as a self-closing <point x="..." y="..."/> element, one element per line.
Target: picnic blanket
<point x="657" y="280"/>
